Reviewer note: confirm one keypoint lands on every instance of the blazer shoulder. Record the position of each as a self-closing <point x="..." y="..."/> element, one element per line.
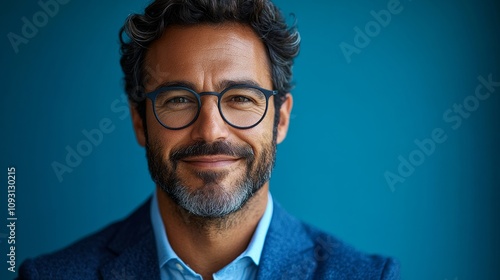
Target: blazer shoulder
<point x="297" y="250"/>
<point x="81" y="259"/>
<point x="336" y="259"/>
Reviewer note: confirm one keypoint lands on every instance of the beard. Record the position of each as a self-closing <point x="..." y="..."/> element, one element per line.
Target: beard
<point x="212" y="200"/>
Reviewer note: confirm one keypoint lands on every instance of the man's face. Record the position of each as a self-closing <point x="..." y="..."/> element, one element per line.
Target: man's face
<point x="210" y="168"/>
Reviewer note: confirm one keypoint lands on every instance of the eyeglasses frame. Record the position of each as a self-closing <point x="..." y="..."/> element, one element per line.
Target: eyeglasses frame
<point x="152" y="96"/>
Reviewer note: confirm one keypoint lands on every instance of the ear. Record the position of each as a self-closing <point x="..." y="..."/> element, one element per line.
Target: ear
<point x="138" y="125"/>
<point x="285" y="110"/>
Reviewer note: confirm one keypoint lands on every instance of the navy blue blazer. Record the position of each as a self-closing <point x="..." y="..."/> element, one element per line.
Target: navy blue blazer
<point x="127" y="250"/>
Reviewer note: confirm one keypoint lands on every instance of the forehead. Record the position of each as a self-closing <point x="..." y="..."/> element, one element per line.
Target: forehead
<point x="205" y="54"/>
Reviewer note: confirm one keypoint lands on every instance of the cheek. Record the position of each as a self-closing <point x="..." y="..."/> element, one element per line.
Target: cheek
<point x="163" y="138"/>
<point x="268" y="123"/>
<point x="153" y="128"/>
<point x="261" y="136"/>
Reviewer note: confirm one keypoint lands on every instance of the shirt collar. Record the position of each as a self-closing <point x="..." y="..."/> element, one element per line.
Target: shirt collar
<point x="166" y="253"/>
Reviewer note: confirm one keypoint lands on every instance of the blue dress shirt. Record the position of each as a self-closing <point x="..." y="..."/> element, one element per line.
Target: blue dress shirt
<point x="243" y="267"/>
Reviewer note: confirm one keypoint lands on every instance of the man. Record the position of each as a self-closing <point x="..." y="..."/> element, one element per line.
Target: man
<point x="209" y="88"/>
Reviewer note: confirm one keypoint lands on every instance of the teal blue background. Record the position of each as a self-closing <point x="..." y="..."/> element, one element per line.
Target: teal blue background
<point x="350" y="123"/>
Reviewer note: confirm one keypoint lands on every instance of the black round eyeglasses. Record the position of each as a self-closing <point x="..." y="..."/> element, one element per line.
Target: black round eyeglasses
<point x="241" y="106"/>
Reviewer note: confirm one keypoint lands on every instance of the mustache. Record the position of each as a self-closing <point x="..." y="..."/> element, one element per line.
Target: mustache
<point x="209" y="149"/>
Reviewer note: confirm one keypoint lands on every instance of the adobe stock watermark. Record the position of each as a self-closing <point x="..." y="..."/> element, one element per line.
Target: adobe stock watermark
<point x="92" y="138"/>
<point x="31" y="26"/>
<point x="454" y="118"/>
<point x="364" y="35"/>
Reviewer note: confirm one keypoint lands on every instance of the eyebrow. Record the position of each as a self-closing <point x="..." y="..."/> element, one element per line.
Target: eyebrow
<point x="220" y="86"/>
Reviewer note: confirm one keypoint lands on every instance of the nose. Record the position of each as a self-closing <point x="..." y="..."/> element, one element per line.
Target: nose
<point x="209" y="127"/>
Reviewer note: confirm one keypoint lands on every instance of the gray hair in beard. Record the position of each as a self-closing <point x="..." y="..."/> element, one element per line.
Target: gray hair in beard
<point x="211" y="201"/>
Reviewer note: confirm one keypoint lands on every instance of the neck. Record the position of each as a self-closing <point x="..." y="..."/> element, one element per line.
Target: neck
<point x="207" y="245"/>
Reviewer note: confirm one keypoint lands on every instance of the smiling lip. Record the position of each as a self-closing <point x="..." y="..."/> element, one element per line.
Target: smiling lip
<point x="216" y="161"/>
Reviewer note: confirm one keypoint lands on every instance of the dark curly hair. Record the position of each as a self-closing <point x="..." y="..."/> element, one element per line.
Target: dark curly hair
<point x="282" y="42"/>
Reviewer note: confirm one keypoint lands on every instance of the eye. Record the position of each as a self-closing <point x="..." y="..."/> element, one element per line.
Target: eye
<point x="178" y="99"/>
<point x="243" y="98"/>
<point x="175" y="100"/>
<point x="240" y="98"/>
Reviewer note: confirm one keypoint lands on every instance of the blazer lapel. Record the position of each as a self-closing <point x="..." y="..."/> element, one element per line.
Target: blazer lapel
<point x="288" y="250"/>
<point x="137" y="262"/>
<point x="135" y="248"/>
